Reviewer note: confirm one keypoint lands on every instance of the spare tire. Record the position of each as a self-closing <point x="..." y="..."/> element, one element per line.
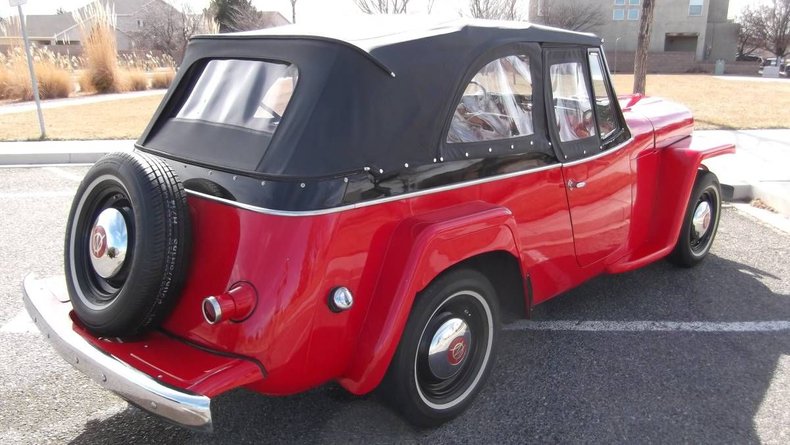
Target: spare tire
<point x="127" y="244"/>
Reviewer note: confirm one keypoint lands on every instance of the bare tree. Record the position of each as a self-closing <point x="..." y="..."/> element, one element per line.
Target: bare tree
<point x="747" y="38"/>
<point x="167" y="29"/>
<point x="247" y="18"/>
<point x="643" y="43"/>
<point x="293" y="10"/>
<point x="770" y="25"/>
<point x="495" y="9"/>
<point x="382" y="6"/>
<point x="430" y="5"/>
<point x="573" y="15"/>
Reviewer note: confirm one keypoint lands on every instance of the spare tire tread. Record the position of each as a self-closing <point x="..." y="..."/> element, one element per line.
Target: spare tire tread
<point x="160" y="258"/>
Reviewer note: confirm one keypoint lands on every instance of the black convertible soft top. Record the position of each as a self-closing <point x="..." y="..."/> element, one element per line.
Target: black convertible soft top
<point x="379" y="96"/>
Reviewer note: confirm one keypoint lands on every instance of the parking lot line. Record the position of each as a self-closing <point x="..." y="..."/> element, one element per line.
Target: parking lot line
<point x="63" y="173"/>
<point x="642" y="326"/>
<point x="29" y="195"/>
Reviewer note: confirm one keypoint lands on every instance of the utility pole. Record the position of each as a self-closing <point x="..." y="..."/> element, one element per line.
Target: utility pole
<point x="640" y="59"/>
<point x="18" y="4"/>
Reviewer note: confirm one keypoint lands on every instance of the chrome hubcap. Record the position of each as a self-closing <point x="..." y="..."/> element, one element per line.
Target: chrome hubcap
<point x="108" y="243"/>
<point x="449" y="348"/>
<point x="701" y="219"/>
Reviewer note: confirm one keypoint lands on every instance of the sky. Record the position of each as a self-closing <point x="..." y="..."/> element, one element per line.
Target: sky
<point x="307" y="11"/>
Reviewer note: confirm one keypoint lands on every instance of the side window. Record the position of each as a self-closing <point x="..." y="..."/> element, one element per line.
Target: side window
<point x="497" y="103"/>
<point x="605" y="110"/>
<point x="572" y="109"/>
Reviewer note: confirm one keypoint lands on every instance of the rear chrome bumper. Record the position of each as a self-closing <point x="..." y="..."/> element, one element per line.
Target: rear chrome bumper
<point x="51" y="315"/>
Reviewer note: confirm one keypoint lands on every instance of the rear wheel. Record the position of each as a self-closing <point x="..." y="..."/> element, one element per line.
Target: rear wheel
<point x="127" y="244"/>
<point x="700" y="223"/>
<point x="447" y="349"/>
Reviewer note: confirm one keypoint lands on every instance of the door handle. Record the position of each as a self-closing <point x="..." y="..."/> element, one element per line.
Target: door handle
<point x="576" y="185"/>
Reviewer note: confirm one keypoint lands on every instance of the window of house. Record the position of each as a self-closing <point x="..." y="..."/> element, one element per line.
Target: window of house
<point x="633" y="2"/>
<point x="633" y="13"/>
<point x="618" y="14"/>
<point x="572" y="108"/>
<point x="619" y="2"/>
<point x="695" y="8"/>
<point x="497" y="103"/>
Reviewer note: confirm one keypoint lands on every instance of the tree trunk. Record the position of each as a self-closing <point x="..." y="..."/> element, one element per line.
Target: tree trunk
<point x="640" y="59"/>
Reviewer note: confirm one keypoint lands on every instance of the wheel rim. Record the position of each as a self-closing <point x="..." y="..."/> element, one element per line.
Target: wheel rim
<point x="108" y="243"/>
<point x="453" y="350"/>
<point x="449" y="348"/>
<point x="102" y="242"/>
<point x="703" y="221"/>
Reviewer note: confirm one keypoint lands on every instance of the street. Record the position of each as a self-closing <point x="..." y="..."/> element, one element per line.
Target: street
<point x="716" y="370"/>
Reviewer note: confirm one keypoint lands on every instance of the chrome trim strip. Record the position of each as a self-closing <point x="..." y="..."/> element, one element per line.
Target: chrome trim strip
<point x="601" y="154"/>
<point x="375" y="201"/>
<point x="52" y="318"/>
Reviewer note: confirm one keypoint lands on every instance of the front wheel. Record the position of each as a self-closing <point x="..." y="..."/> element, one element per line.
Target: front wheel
<point x="447" y="349"/>
<point x="700" y="222"/>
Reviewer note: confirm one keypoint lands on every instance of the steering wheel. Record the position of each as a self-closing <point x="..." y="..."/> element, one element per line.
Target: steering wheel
<point x="485" y="91"/>
<point x="587" y="121"/>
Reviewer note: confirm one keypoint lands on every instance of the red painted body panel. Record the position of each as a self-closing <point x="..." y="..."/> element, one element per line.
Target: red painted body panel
<point x="292" y="332"/>
<point x="176" y="363"/>
<point x="628" y="214"/>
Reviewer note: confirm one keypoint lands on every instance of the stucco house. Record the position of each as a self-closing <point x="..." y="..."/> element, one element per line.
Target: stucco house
<point x="698" y="27"/>
<point x="61" y="30"/>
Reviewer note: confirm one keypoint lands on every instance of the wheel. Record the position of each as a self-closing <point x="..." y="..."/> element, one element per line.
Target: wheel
<point x="700" y="222"/>
<point x="127" y="244"/>
<point x="447" y="349"/>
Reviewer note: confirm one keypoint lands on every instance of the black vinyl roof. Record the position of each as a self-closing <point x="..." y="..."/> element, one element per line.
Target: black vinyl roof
<point x="376" y="96"/>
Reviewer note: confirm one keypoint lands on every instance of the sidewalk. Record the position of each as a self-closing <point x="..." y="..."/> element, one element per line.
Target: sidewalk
<point x="760" y="168"/>
<point x="21" y="107"/>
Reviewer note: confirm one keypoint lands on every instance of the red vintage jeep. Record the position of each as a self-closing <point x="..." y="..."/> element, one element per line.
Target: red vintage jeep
<point x="366" y="208"/>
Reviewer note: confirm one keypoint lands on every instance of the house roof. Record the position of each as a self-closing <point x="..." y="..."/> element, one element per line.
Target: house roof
<point x="45" y="25"/>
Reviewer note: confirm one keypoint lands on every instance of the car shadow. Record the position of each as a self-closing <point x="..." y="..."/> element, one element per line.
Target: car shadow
<point x="557" y="386"/>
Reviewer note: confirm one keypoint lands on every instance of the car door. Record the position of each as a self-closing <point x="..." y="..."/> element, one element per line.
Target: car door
<point x="587" y="130"/>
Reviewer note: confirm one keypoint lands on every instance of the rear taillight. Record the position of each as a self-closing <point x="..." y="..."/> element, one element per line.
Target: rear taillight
<point x="234" y="305"/>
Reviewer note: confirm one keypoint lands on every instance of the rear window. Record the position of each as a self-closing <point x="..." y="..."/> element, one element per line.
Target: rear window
<point x="247" y="94"/>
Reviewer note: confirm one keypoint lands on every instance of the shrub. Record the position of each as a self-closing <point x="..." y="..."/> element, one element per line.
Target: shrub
<point x="53" y="82"/>
<point x="84" y="81"/>
<point x="97" y="28"/>
<point x="162" y="79"/>
<point x="135" y="80"/>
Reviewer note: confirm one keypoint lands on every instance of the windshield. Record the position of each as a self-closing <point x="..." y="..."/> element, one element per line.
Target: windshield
<point x="250" y="94"/>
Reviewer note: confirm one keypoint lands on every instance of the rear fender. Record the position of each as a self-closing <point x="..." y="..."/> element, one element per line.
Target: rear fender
<point x="421" y="248"/>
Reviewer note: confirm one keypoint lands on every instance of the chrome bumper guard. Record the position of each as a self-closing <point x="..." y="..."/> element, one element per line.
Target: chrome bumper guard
<point x="51" y="315"/>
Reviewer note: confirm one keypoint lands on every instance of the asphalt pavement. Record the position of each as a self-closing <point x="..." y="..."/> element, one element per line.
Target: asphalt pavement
<point x="675" y="356"/>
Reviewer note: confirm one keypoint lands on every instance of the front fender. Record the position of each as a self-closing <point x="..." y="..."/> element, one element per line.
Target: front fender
<point x="421" y="248"/>
<point x="676" y="169"/>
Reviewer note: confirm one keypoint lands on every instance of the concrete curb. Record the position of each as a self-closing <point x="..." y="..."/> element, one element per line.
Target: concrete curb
<point x="59" y="152"/>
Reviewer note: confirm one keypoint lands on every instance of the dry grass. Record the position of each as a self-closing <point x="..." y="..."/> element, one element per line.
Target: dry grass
<point x="162" y="79"/>
<point x="53" y="82"/>
<point x="135" y="80"/>
<point x="97" y="28"/>
<point x="84" y="80"/>
<point x="121" y="119"/>
<point x="720" y="103"/>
